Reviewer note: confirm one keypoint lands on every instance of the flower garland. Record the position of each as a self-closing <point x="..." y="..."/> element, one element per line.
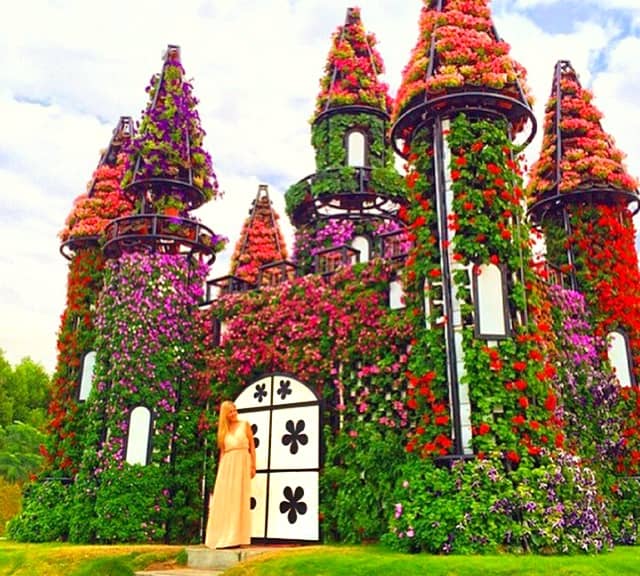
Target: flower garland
<point x="352" y="69"/>
<point x="169" y="142"/>
<point x="261" y="242"/>
<point x="467" y="53"/>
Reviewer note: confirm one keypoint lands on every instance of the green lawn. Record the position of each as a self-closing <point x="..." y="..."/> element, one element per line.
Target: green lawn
<point x="373" y="560"/>
<point x="75" y="560"/>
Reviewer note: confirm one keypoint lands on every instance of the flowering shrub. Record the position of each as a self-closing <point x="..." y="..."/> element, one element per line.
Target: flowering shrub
<point x="588" y="155"/>
<point x="476" y="505"/>
<point x="352" y="69"/>
<point x="467" y="54"/>
<point x="169" y="141"/>
<point x="261" y="241"/>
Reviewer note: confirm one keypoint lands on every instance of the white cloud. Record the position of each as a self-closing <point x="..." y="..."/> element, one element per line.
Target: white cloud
<point x="72" y="67"/>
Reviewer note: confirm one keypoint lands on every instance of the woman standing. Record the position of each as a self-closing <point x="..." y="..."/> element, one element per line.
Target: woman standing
<point x="229" y="523"/>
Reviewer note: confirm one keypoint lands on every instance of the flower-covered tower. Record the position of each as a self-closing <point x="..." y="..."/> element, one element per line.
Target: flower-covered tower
<point x="261" y="250"/>
<point x="145" y="450"/>
<point x="91" y="212"/>
<point x="582" y="199"/>
<point x="476" y="371"/>
<point x="349" y="206"/>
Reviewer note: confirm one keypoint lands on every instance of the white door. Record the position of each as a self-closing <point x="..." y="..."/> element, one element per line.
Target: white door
<point x="284" y="415"/>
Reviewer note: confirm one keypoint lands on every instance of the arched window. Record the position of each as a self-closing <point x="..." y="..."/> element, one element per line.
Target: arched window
<point x="362" y="244"/>
<point x="139" y="435"/>
<point x="396" y="294"/>
<point x="489" y="297"/>
<point x="356" y="148"/>
<point x="86" y="375"/>
<point x="618" y="353"/>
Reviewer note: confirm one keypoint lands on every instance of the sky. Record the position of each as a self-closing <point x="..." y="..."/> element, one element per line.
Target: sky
<point x="71" y="68"/>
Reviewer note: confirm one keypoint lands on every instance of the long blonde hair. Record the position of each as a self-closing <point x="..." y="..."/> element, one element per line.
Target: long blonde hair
<point x="223" y="421"/>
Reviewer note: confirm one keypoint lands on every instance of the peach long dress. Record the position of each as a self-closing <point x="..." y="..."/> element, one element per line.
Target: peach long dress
<point x="229" y="522"/>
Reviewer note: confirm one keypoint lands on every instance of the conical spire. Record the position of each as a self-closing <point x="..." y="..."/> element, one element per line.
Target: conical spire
<point x="458" y="48"/>
<point x="577" y="154"/>
<point x="352" y="69"/>
<point x="104" y="199"/>
<point x="167" y="157"/>
<point x="261" y="241"/>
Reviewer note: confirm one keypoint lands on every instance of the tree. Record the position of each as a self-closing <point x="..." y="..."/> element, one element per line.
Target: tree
<point x="30" y="392"/>
<point x="20" y="451"/>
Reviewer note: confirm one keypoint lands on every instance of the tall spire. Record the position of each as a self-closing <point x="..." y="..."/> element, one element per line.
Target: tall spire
<point x="352" y="69"/>
<point x="261" y="241"/>
<point x="168" y="174"/>
<point x="167" y="154"/>
<point x="104" y="199"/>
<point x="461" y="63"/>
<point x="577" y="154"/>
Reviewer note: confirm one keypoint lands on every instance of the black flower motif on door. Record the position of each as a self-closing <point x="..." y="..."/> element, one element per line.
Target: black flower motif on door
<point x="295" y="435"/>
<point x="292" y="505"/>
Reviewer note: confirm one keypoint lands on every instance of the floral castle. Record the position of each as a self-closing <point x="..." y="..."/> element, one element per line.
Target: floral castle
<point x="412" y="373"/>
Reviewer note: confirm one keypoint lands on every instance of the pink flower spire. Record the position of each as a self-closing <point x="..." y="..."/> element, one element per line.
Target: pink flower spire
<point x="104" y="199"/>
<point x="261" y="241"/>
<point x="577" y="154"/>
<point x="458" y="48"/>
<point x="352" y="70"/>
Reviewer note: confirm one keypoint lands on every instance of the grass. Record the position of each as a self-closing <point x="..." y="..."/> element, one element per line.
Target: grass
<point x="58" y="559"/>
<point x="374" y="560"/>
<point x="120" y="560"/>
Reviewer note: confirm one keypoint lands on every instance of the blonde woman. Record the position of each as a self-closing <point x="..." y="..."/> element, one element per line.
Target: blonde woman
<point x="229" y="523"/>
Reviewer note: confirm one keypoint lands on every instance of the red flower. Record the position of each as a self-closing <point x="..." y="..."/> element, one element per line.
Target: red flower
<point x="523" y="401"/>
<point x="519" y="365"/>
<point x="455" y="175"/>
<point x="494" y="259"/>
<point x="461" y="161"/>
<point x="493" y="168"/>
<point x="483" y="429"/>
<point x="513" y="456"/>
<point x="442" y="420"/>
<point x="550" y="403"/>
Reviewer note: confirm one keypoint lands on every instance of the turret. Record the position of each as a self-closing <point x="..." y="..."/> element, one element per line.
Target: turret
<point x="261" y="252"/>
<point x="583" y="200"/>
<point x="149" y="388"/>
<point x="91" y="213"/>
<point x="343" y="210"/>
<point x="461" y="103"/>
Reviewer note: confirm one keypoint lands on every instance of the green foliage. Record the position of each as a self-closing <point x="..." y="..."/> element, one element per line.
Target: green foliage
<point x="19" y="452"/>
<point x="24" y="392"/>
<point x="44" y="516"/>
<point x="131" y="505"/>
<point x="356" y="484"/>
<point x="484" y="506"/>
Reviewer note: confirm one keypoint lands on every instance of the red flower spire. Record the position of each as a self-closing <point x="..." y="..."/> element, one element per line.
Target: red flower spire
<point x="104" y="199"/>
<point x="576" y="152"/>
<point x="261" y="241"/>
<point x="352" y="69"/>
<point x="458" y="47"/>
